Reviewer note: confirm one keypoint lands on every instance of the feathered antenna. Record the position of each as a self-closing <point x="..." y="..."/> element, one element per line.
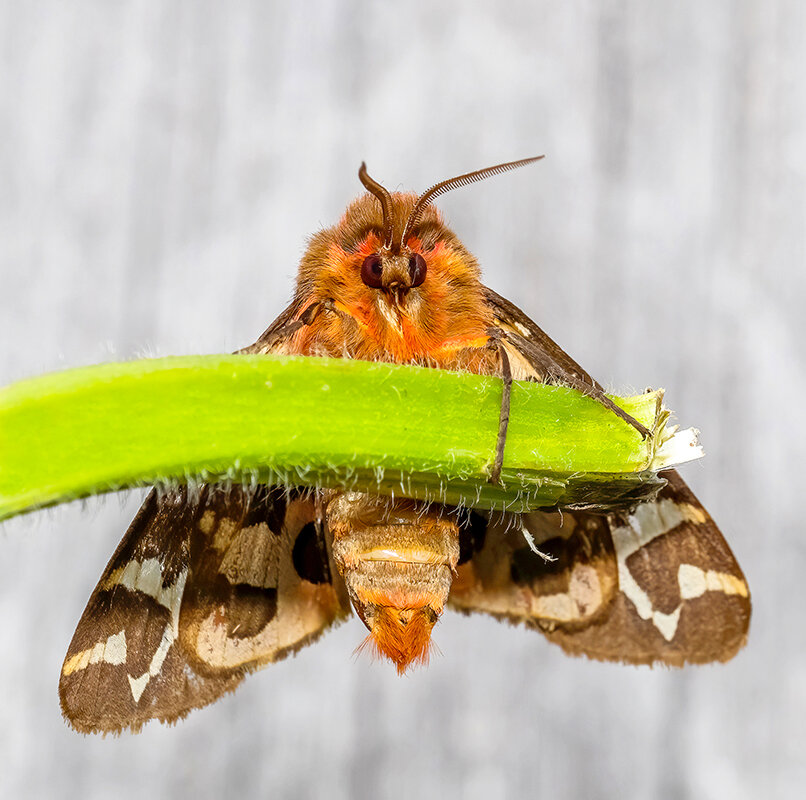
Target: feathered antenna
<point x="452" y="183"/>
<point x="383" y="195"/>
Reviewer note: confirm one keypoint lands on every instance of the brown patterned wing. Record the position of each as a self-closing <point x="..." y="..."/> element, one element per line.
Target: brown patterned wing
<point x="198" y="593"/>
<point x="264" y="582"/>
<point x="657" y="585"/>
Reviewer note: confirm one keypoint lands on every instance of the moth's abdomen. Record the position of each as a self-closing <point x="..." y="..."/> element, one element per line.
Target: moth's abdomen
<point x="398" y="560"/>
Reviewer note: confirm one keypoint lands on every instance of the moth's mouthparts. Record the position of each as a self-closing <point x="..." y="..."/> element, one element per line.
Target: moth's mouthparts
<point x="390" y="308"/>
<point x="397" y="293"/>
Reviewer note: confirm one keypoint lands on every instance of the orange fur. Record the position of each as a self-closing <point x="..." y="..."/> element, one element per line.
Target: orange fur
<point x="445" y="315"/>
<point x="403" y="635"/>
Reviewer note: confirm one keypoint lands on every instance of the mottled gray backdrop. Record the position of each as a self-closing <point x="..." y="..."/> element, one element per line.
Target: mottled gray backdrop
<point x="161" y="164"/>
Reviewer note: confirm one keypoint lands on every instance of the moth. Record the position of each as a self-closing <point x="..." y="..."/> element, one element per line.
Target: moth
<point x="210" y="585"/>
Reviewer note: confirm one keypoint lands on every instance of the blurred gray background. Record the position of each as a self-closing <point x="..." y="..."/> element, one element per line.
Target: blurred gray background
<point x="161" y="164"/>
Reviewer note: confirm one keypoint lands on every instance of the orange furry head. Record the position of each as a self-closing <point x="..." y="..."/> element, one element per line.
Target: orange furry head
<point x="403" y="635"/>
<point x="391" y="282"/>
<point x="398" y="319"/>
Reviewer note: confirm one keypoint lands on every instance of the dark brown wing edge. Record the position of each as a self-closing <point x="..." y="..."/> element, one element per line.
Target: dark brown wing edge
<point x="199" y="592"/>
<point x="125" y="645"/>
<point x="659" y="585"/>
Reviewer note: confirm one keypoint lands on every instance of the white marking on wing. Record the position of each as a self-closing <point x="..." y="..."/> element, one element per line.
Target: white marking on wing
<point x="667" y="623"/>
<point x="141" y="576"/>
<point x="521" y="368"/>
<point x="146" y="577"/>
<point x="650" y="521"/>
<point x="112" y="651"/>
<point x="695" y="582"/>
<point x="138" y="685"/>
<point x="171" y="598"/>
<point x="115" y="650"/>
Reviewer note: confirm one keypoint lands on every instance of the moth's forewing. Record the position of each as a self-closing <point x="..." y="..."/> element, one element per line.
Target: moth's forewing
<point x="657" y="585"/>
<point x="533" y="354"/>
<point x="277" y="337"/>
<point x="199" y="592"/>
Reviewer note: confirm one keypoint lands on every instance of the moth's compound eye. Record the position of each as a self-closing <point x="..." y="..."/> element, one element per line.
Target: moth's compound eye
<point x="372" y="271"/>
<point x="417" y="269"/>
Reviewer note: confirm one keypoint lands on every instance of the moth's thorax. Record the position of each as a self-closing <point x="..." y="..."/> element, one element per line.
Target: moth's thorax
<point x="428" y="323"/>
<point x="398" y="560"/>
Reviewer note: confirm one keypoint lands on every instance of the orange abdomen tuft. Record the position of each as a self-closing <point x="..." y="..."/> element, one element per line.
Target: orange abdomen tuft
<point x="403" y="635"/>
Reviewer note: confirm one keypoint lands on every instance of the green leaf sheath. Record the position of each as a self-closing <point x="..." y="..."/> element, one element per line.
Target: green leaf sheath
<point x="420" y="432"/>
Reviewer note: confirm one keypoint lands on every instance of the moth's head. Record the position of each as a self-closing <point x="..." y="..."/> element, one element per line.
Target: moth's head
<point x="392" y="264"/>
<point x="371" y="252"/>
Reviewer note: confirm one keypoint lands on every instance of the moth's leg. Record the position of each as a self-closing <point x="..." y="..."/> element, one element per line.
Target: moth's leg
<point x="320" y="502"/>
<point x="552" y="372"/>
<point x="312" y="313"/>
<point x="503" y="418"/>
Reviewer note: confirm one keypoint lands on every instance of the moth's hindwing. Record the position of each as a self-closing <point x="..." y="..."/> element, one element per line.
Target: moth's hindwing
<point x="657" y="585"/>
<point x="198" y="593"/>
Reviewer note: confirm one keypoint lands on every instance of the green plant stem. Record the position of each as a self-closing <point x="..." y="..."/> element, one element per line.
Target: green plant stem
<point x="317" y="422"/>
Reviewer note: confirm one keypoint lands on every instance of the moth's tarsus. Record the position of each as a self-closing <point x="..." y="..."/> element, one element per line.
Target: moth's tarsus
<point x="642" y="429"/>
